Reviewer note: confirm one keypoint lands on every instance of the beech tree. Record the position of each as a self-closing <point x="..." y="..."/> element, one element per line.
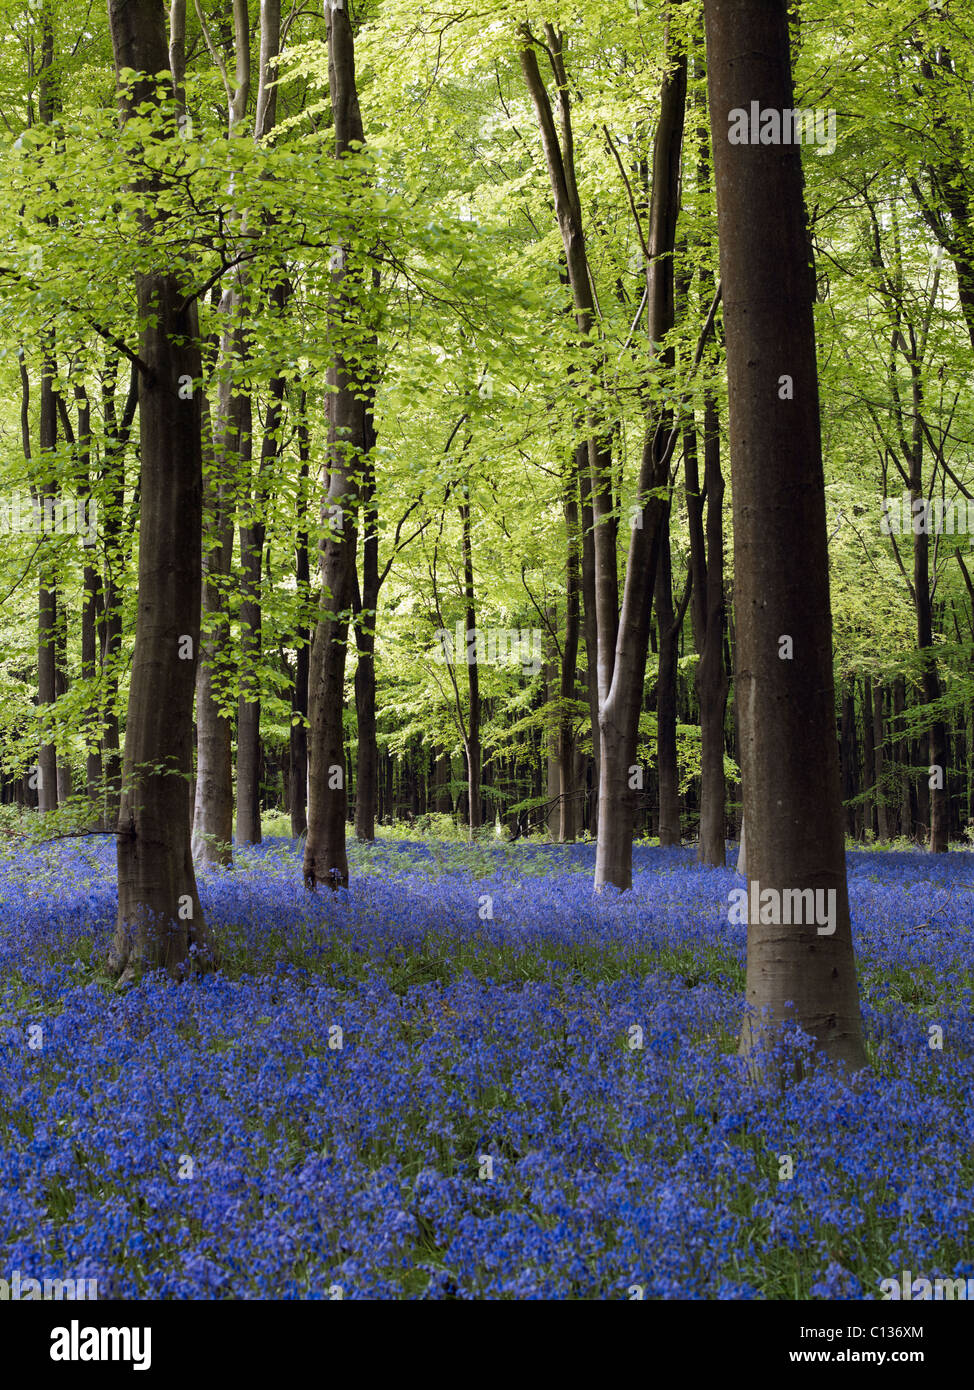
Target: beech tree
<point x="350" y="437"/>
<point x="789" y="753"/>
<point x="160" y="920"/>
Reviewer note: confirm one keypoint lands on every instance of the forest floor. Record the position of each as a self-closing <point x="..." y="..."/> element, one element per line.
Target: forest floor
<point x="468" y="1077"/>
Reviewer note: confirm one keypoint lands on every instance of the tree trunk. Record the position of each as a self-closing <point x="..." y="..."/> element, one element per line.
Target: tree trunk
<point x="600" y="580"/>
<point x="620" y="703"/>
<point x="367" y="762"/>
<point x="472" y="741"/>
<point x="568" y="820"/>
<point x="231" y="455"/>
<point x="117" y="528"/>
<point x="160" y="920"/>
<point x="879" y="739"/>
<point x="252" y="525"/>
<point x="213" y="810"/>
<point x="349" y="435"/>
<point x="667" y="769"/>
<point x="902" y="746"/>
<point x="790" y="763"/>
<point x="590" y="631"/>
<point x="298" y="748"/>
<point x="850" y="758"/>
<point x="707" y="597"/>
<point x="47" y="598"/>
<point x="869" y="758"/>
<point x="937" y="738"/>
<point x="551" y="739"/>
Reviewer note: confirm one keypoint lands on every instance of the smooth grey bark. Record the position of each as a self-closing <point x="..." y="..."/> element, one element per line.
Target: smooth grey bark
<point x="850" y="759"/>
<point x="160" y="920"/>
<point x="367" y="755"/>
<point x="252" y="525"/>
<point x="569" y="810"/>
<point x="621" y="702"/>
<point x="879" y="740"/>
<point x="224" y="459"/>
<point x="667" y="768"/>
<point x="48" y="612"/>
<point x="298" y="742"/>
<point x="472" y="731"/>
<point x="711" y="682"/>
<point x="349" y="435"/>
<point x="789" y="751"/>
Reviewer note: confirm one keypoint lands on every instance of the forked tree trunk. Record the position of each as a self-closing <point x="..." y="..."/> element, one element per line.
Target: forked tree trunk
<point x="790" y="763"/>
<point x="599" y="525"/>
<point x="160" y="920"/>
<point x="620" y="704"/>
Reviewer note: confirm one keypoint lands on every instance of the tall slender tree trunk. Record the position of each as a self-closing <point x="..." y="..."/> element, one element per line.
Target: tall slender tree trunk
<point x="231" y="453"/>
<point x="568" y="820"/>
<point x="790" y="763"/>
<point x="552" y="741"/>
<point x="707" y="597"/>
<point x="160" y="920"/>
<point x="937" y="738"/>
<point x="472" y="737"/>
<point x="870" y="820"/>
<point x="252" y="526"/>
<point x="92" y="612"/>
<point x="590" y="629"/>
<point x="879" y="740"/>
<point x="117" y="534"/>
<point x="367" y="759"/>
<point x="902" y="747"/>
<point x="48" y="615"/>
<point x="850" y="757"/>
<point x="299" y="695"/>
<point x="667" y="769"/>
<point x="349" y="439"/>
